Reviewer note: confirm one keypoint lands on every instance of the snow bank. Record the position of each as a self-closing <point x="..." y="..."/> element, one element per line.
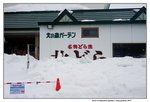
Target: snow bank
<point x="43" y="7"/>
<point x="79" y="78"/>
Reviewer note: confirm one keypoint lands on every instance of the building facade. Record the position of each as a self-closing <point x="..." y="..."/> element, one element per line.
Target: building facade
<point x="78" y="33"/>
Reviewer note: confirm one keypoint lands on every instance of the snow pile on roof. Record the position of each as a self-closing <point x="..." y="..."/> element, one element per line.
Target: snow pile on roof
<point x="86" y="20"/>
<point x="43" y="7"/>
<point x="79" y="78"/>
<point x="136" y="10"/>
<point x="63" y="10"/>
<point x="120" y="19"/>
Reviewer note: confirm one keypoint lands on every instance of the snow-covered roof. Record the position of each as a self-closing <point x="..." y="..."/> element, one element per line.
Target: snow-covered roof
<point x="89" y="16"/>
<point x="126" y="5"/>
<point x="43" y="7"/>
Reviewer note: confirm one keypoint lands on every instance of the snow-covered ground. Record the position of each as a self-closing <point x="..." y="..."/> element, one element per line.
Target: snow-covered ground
<point x="79" y="78"/>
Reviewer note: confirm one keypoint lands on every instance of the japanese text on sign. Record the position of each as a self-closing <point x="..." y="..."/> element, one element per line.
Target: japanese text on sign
<point x="17" y="89"/>
<point x="97" y="54"/>
<point x="80" y="46"/>
<point x="61" y="35"/>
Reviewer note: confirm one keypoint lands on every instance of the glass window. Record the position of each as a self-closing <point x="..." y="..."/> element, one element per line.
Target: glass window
<point x="137" y="50"/>
<point x="90" y="32"/>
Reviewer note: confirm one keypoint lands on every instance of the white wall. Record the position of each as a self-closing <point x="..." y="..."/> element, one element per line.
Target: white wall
<point x="139" y="33"/>
<point x="108" y="34"/>
<point x="128" y="33"/>
<point x="121" y="33"/>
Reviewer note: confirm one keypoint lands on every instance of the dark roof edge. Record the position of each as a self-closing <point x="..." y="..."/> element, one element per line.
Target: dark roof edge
<point x="96" y="22"/>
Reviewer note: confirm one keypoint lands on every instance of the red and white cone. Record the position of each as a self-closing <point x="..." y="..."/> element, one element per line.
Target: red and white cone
<point x="58" y="86"/>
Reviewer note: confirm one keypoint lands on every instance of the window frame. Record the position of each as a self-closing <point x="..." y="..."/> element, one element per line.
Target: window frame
<point x="89" y="28"/>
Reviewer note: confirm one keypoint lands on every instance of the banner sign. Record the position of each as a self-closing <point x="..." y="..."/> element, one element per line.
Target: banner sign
<point x="17" y="88"/>
<point x="61" y="35"/>
<point x="80" y="46"/>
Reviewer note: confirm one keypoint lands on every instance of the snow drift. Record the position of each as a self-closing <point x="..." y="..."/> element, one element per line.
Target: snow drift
<point x="79" y="78"/>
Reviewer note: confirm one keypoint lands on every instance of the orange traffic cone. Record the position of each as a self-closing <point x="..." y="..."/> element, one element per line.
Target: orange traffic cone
<point x="58" y="86"/>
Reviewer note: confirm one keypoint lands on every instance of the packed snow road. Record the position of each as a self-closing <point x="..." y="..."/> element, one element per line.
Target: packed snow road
<point x="79" y="78"/>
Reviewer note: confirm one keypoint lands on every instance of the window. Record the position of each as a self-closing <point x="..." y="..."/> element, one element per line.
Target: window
<point x="136" y="50"/>
<point x="90" y="32"/>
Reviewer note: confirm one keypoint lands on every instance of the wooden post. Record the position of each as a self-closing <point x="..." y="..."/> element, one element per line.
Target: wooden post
<point x="28" y="62"/>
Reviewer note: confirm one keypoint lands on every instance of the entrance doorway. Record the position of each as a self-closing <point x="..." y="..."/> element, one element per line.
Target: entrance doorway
<point x="16" y="43"/>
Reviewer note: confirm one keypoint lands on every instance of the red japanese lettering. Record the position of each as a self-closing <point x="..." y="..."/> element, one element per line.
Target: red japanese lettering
<point x="75" y="46"/>
<point x="80" y="46"/>
<point x="69" y="46"/>
<point x="90" y="46"/>
<point x="85" y="46"/>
